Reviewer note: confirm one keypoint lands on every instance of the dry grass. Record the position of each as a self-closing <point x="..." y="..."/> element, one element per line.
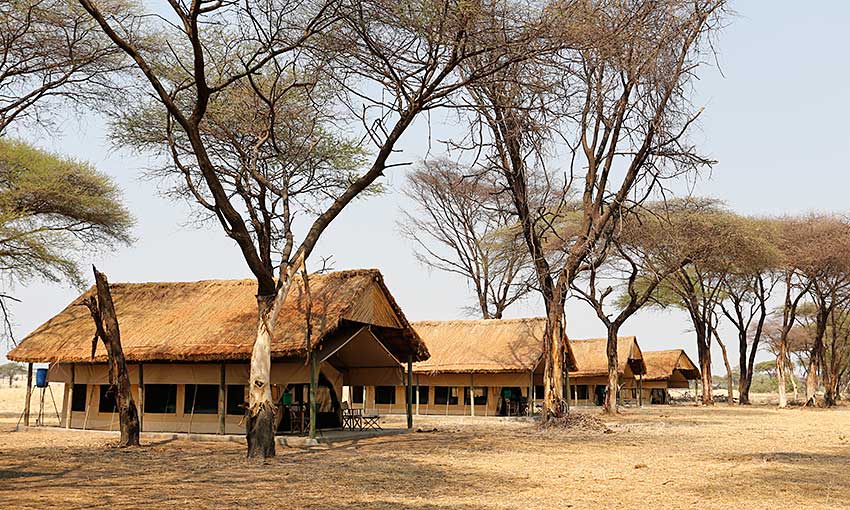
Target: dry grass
<point x="676" y="457"/>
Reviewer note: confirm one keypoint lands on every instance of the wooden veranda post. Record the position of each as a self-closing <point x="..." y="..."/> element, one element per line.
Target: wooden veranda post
<point x="222" y="388"/>
<point x="141" y="397"/>
<point x="640" y="390"/>
<point x="70" y="393"/>
<point x="471" y="395"/>
<point x="531" y="394"/>
<point x="567" y="393"/>
<point x="29" y="394"/>
<point x="313" y="390"/>
<point x="409" y="391"/>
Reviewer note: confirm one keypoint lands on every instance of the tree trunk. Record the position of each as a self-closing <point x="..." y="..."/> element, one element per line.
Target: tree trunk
<point x="811" y="381"/>
<point x="259" y="428"/>
<point x="704" y="352"/>
<point x="613" y="372"/>
<point x="106" y="323"/>
<point x="730" y="397"/>
<point x="793" y="377"/>
<point x="780" y="374"/>
<point x="745" y="363"/>
<point x="553" y="373"/>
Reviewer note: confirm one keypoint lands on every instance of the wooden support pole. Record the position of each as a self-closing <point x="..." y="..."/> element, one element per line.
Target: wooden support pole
<point x="417" y="394"/>
<point x="640" y="390"/>
<point x="471" y="395"/>
<point x="222" y="402"/>
<point x="409" y="391"/>
<point x="141" y="397"/>
<point x="29" y="394"/>
<point x="531" y="394"/>
<point x="618" y="401"/>
<point x="313" y="391"/>
<point x="69" y="402"/>
<point x="567" y="379"/>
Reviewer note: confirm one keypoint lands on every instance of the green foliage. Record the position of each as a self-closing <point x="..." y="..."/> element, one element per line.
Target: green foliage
<point x="274" y="147"/>
<point x="52" y="209"/>
<point x="765" y="367"/>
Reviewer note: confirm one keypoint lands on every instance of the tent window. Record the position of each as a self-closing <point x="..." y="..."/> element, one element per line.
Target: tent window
<point x="235" y="399"/>
<point x="423" y="394"/>
<point x="538" y="392"/>
<point x="581" y="392"/>
<point x="385" y="394"/>
<point x="78" y="398"/>
<point x="203" y="396"/>
<point x="480" y="396"/>
<point x="445" y="395"/>
<point x="357" y="394"/>
<point x="108" y="399"/>
<point x="161" y="398"/>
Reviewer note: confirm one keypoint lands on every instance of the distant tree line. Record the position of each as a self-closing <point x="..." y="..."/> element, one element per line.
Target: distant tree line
<point x="782" y="284"/>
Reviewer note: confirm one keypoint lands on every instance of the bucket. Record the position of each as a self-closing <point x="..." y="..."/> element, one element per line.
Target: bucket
<point x="41" y="378"/>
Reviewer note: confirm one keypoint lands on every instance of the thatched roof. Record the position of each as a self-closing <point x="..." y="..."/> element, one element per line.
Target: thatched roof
<point x="482" y="346"/>
<point x="661" y="365"/>
<point x="592" y="360"/>
<point x="216" y="320"/>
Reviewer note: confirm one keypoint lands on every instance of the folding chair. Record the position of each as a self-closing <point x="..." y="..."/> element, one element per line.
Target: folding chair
<point x="370" y="422"/>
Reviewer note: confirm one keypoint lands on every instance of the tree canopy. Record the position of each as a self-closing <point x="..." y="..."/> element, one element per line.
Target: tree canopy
<point x="53" y="210"/>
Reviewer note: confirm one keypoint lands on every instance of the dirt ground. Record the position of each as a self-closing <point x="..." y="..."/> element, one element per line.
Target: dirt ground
<point x="656" y="457"/>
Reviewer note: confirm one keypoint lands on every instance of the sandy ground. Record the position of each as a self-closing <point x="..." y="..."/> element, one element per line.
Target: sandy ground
<point x="659" y="457"/>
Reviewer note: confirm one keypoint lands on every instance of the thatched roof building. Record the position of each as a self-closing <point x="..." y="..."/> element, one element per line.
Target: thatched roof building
<point x="483" y="346"/>
<point x="216" y="320"/>
<point x="187" y="345"/>
<point x="592" y="359"/>
<point x="502" y="360"/>
<point x="669" y="365"/>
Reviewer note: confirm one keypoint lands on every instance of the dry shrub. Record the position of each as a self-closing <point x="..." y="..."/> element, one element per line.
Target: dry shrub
<point x="577" y="422"/>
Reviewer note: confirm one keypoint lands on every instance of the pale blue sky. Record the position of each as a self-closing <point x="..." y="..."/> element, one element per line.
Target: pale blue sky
<point x="775" y="121"/>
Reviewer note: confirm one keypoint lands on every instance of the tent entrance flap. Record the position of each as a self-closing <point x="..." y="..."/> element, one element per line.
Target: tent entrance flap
<point x="360" y="350"/>
<point x="363" y="359"/>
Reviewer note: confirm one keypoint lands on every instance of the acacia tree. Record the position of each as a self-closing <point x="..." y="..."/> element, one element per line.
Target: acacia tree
<point x="461" y="211"/>
<point x="11" y="370"/>
<point x="776" y="343"/>
<point x="836" y="366"/>
<point x="713" y="241"/>
<point x="827" y="272"/>
<point x="832" y="364"/>
<point x="53" y="210"/>
<point x="52" y="53"/>
<point x="389" y="62"/>
<point x="616" y="95"/>
<point x="628" y="259"/>
<point x="748" y="287"/>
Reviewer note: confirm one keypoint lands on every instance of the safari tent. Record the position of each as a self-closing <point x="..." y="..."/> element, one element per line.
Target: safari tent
<point x="188" y="345"/>
<point x="477" y="367"/>
<point x="666" y="370"/>
<point x="589" y="382"/>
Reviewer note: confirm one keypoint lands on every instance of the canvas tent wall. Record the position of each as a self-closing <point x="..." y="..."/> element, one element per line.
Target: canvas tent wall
<point x="666" y="370"/>
<point x="201" y="333"/>
<point x="488" y="356"/>
<point x="591" y="378"/>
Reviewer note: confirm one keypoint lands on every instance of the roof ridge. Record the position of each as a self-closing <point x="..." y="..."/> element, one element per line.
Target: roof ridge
<point x="480" y="321"/>
<point x="343" y="273"/>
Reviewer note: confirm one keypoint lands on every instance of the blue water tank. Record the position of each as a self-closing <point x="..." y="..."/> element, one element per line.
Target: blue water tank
<point x="41" y="378"/>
